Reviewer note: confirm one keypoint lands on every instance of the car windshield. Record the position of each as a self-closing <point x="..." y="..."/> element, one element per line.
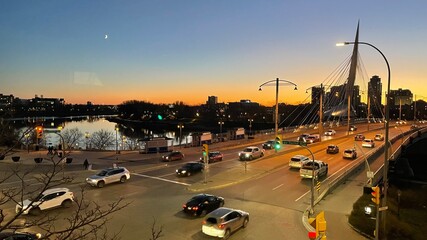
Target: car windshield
<point x="348" y="151"/>
<point x="332" y="147"/>
<point x="247" y="150"/>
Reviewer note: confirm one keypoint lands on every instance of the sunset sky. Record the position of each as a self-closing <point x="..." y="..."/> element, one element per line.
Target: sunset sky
<point x="164" y="51"/>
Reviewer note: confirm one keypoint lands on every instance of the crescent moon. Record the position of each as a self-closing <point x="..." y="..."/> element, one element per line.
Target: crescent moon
<point x="106" y="36"/>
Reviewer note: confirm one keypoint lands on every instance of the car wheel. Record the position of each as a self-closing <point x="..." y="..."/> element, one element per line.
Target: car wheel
<point x="188" y="174"/>
<point x="250" y="157"/>
<point x="227" y="234"/>
<point x="66" y="203"/>
<point x="123" y="179"/>
<point x="245" y="222"/>
<point x="35" y="211"/>
<point x="262" y="154"/>
<point x="203" y="213"/>
<point x="221" y="204"/>
<point x="100" y="184"/>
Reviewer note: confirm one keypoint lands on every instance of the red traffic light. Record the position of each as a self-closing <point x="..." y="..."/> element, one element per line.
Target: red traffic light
<point x="376" y="195"/>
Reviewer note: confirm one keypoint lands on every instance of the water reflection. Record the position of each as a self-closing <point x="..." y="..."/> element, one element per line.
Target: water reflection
<point x="126" y="136"/>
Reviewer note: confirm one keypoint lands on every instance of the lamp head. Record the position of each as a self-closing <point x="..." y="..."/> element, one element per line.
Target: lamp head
<point x="295" y="88"/>
<point x="341" y="44"/>
<point x="260" y="89"/>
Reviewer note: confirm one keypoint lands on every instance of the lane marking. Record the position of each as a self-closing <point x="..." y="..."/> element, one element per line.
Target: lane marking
<point x="296" y="200"/>
<point x="161" y="179"/>
<point x="277" y="187"/>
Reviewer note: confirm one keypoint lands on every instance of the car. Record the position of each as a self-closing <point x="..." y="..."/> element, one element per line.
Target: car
<point x="251" y="153"/>
<point x="51" y="198"/>
<point x="379" y="137"/>
<point x="109" y="175"/>
<point x="215" y="156"/>
<point x="332" y="149"/>
<point x="313" y="138"/>
<point x="320" y="169"/>
<point x="190" y="168"/>
<point x="303" y="137"/>
<point x="269" y="144"/>
<point x="202" y="204"/>
<point x="330" y="132"/>
<point x="173" y="156"/>
<point x="414" y="126"/>
<point x="222" y="222"/>
<point x="350" y="153"/>
<point x="359" y="137"/>
<point x="369" y="143"/>
<point x="19" y="236"/>
<point x="297" y="161"/>
<point x="352" y="128"/>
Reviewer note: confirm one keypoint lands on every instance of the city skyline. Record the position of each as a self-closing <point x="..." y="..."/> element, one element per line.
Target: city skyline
<point x="106" y="52"/>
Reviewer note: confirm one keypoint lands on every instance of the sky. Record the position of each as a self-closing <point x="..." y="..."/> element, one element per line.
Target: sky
<point x="163" y="51"/>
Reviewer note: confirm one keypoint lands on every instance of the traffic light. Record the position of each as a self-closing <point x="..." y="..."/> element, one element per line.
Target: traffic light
<point x="159" y="117"/>
<point x="376" y="195"/>
<point x="39" y="131"/>
<point x="205" y="150"/>
<point x="278" y="143"/>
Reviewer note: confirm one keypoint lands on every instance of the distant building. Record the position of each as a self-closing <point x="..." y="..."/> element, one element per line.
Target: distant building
<point x="400" y="97"/>
<point x="375" y="95"/>
<point x="212" y="100"/>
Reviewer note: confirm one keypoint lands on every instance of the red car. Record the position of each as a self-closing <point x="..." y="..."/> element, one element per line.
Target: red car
<point x="173" y="156"/>
<point x="359" y="137"/>
<point x="213" y="157"/>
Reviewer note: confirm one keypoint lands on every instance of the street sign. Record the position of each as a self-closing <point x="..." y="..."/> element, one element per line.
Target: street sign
<point x="295" y="143"/>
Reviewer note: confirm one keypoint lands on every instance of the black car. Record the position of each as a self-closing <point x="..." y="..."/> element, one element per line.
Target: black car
<point x="269" y="144"/>
<point x="213" y="157"/>
<point x="190" y="168"/>
<point x="201" y="204"/>
<point x="19" y="236"/>
<point x="332" y="149"/>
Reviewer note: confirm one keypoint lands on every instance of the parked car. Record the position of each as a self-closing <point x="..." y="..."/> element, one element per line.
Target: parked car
<point x="173" y="156"/>
<point x="269" y="144"/>
<point x="350" y="153"/>
<point x="369" y="143"/>
<point x="19" y="236"/>
<point x="51" y="198"/>
<point x="330" y="132"/>
<point x="379" y="137"/>
<point x="251" y="153"/>
<point x="297" y="161"/>
<point x="313" y="138"/>
<point x="202" y="204"/>
<point x="213" y="157"/>
<point x="222" y="222"/>
<point x="190" y="168"/>
<point x="352" y="128"/>
<point x="359" y="137"/>
<point x="320" y="169"/>
<point x="332" y="149"/>
<point x="109" y="175"/>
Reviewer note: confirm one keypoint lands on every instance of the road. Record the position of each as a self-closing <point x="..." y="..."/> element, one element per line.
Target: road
<point x="275" y="200"/>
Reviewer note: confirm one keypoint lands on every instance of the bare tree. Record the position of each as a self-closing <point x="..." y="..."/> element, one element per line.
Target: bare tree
<point x="156" y="232"/>
<point x="102" y="139"/>
<point x="86" y="220"/>
<point x="71" y="137"/>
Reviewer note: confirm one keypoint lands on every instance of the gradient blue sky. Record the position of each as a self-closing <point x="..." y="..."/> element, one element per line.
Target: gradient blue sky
<point x="164" y="51"/>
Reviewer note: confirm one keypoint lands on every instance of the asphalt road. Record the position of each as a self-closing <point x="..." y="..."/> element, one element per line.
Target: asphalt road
<point x="275" y="200"/>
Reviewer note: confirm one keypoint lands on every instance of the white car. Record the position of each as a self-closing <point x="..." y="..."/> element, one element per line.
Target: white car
<point x="222" y="222"/>
<point x="109" y="175"/>
<point x="369" y="143"/>
<point x="51" y="198"/>
<point x="379" y="137"/>
<point x="250" y="153"/>
<point x="330" y="132"/>
<point x="297" y="161"/>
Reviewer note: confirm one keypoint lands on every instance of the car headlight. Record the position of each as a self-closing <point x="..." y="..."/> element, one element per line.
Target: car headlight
<point x="183" y="171"/>
<point x="247" y="155"/>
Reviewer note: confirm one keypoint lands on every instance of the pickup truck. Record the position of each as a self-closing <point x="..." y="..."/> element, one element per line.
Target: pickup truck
<point x="320" y="169"/>
<point x="250" y="153"/>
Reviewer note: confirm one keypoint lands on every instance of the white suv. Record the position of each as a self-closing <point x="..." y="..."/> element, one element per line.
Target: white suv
<point x="250" y="153"/>
<point x="109" y="175"/>
<point x="297" y="161"/>
<point x="51" y="198"/>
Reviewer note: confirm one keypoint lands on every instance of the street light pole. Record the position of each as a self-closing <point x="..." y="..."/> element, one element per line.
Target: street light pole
<point x="220" y="130"/>
<point x="277" y="81"/>
<point x="180" y="127"/>
<point x="117" y="129"/>
<point x="387" y="124"/>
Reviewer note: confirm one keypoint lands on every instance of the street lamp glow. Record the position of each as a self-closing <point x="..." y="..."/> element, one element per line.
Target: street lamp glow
<point x="341" y="44"/>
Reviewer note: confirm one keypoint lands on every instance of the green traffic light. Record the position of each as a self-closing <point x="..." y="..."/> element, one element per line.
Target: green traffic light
<point x="277" y="146"/>
<point x="159" y="117"/>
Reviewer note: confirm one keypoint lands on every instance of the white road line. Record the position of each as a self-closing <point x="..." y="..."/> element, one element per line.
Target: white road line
<point x="161" y="179"/>
<point x="296" y="200"/>
<point x="277" y="187"/>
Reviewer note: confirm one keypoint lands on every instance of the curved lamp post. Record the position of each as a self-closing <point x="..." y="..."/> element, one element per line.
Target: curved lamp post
<point x="321" y="86"/>
<point x="277" y="83"/>
<point x="387" y="120"/>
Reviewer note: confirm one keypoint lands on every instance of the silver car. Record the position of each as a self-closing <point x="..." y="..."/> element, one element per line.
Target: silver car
<point x="224" y="221"/>
<point x="109" y="175"/>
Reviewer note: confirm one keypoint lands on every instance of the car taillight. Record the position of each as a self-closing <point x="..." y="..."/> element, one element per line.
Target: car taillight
<point x="184" y="205"/>
<point x="221" y="226"/>
<point x="195" y="208"/>
<point x="204" y="222"/>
